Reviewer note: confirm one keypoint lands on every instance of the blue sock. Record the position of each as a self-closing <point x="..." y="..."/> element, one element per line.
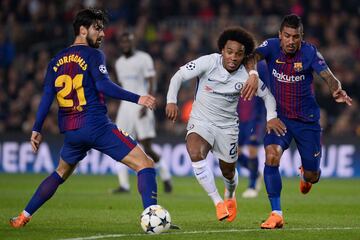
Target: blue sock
<point x="147" y="186"/>
<point x="44" y="192"/>
<point x="253" y="165"/>
<point x="273" y="185"/>
<point x="243" y="160"/>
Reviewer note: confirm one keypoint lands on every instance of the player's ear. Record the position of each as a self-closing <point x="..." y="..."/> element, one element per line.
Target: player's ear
<point x="83" y="31"/>
<point x="279" y="34"/>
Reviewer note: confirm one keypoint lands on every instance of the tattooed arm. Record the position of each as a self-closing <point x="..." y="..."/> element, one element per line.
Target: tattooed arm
<point x="334" y="84"/>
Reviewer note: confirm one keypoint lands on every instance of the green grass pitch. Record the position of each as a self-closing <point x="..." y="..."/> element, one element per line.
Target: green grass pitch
<point x="84" y="209"/>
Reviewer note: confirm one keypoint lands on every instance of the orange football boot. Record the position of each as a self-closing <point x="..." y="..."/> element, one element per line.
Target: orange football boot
<point x="273" y="221"/>
<point x="221" y="211"/>
<point x="232" y="208"/>
<point x="304" y="186"/>
<point x="19" y="221"/>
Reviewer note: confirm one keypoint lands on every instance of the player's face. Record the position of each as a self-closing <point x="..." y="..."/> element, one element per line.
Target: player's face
<point x="126" y="45"/>
<point x="95" y="34"/>
<point x="290" y="39"/>
<point x="233" y="54"/>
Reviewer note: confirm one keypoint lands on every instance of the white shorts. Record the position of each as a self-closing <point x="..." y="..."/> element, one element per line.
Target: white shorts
<point x="222" y="140"/>
<point x="129" y="121"/>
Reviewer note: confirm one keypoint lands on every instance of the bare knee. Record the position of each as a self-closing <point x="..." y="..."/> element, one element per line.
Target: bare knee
<point x="227" y="169"/>
<point x="312" y="177"/>
<point x="273" y="154"/>
<point x="196" y="154"/>
<point x="138" y="160"/>
<point x="64" y="169"/>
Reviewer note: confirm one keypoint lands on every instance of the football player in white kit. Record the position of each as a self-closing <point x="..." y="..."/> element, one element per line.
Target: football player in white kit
<point x="213" y="123"/>
<point x="135" y="72"/>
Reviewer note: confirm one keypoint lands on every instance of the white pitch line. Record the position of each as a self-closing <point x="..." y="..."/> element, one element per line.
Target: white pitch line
<point x="210" y="231"/>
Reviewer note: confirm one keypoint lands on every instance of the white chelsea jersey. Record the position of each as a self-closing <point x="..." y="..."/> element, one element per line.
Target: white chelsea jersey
<point x="218" y="91"/>
<point x="132" y="72"/>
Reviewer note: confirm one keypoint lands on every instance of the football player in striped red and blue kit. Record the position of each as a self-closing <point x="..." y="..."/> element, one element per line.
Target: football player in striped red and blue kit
<point x="291" y="63"/>
<point x="78" y="78"/>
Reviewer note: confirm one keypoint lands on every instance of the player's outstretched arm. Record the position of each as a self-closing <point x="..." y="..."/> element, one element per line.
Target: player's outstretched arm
<point x="147" y="101"/>
<point x="334" y="84"/>
<point x="35" y="141"/>
<point x="172" y="111"/>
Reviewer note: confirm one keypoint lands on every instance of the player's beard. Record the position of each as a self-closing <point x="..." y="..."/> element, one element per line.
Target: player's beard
<point x="94" y="44"/>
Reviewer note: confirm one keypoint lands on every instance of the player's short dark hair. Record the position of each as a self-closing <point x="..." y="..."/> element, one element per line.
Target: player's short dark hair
<point x="239" y="35"/>
<point x="292" y="21"/>
<point x="88" y="16"/>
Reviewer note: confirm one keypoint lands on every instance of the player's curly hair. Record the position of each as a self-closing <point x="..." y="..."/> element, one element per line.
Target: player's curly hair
<point x="239" y="35"/>
<point x="88" y="16"/>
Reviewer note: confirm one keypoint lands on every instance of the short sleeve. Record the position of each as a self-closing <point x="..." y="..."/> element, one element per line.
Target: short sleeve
<point x="149" y="70"/>
<point x="264" y="49"/>
<point x="318" y="62"/>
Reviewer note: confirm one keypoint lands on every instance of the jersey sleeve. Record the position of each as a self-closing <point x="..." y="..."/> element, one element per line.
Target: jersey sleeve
<point x="265" y="48"/>
<point x="98" y="66"/>
<point x="269" y="100"/>
<point x="318" y="62"/>
<point x="46" y="100"/>
<point x="149" y="70"/>
<point x="196" y="68"/>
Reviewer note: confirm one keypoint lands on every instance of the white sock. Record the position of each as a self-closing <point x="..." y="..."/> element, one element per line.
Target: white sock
<point x="277" y="212"/>
<point x="205" y="177"/>
<point x="230" y="185"/>
<point x="164" y="171"/>
<point x="26" y="214"/>
<point x="123" y="176"/>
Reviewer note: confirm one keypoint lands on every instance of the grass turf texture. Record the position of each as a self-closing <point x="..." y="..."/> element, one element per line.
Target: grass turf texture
<point x="83" y="208"/>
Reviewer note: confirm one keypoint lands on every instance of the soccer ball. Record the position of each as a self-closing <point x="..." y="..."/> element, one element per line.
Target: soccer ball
<point x="155" y="219"/>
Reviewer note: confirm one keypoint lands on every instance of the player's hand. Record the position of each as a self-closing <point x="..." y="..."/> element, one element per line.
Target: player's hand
<point x="277" y="126"/>
<point x="35" y="141"/>
<point x="147" y="101"/>
<point x="142" y="112"/>
<point x="341" y="96"/>
<point x="172" y="111"/>
<point x="250" y="88"/>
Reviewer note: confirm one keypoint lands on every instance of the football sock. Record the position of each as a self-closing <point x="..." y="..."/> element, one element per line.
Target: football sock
<point x="147" y="186"/>
<point x="253" y="165"/>
<point x="123" y="176"/>
<point x="243" y="160"/>
<point x="273" y="185"/>
<point x="205" y="177"/>
<point x="44" y="192"/>
<point x="230" y="185"/>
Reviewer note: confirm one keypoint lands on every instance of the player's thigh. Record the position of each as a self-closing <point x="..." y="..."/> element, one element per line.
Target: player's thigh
<point x="76" y="145"/>
<point x="308" y="142"/>
<point x="145" y="126"/>
<point x="113" y="142"/>
<point x="199" y="140"/>
<point x="225" y="145"/>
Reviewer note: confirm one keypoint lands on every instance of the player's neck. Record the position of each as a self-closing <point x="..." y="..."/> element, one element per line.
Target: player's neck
<point x="80" y="41"/>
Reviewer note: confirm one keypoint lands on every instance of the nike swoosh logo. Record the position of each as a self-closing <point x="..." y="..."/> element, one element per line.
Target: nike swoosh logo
<point x="279" y="62"/>
<point x="199" y="173"/>
<point x="317" y="154"/>
<point x="211" y="80"/>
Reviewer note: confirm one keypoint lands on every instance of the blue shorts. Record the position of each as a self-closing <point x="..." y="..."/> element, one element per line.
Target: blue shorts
<point x="250" y="133"/>
<point x="307" y="139"/>
<point x="105" y="138"/>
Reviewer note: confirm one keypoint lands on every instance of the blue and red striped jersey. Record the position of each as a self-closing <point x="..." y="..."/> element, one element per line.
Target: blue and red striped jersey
<point x="290" y="79"/>
<point x="71" y="78"/>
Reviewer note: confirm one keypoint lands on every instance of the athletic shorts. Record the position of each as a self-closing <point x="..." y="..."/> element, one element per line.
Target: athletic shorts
<point x="128" y="120"/>
<point x="307" y="139"/>
<point x="106" y="138"/>
<point x="222" y="140"/>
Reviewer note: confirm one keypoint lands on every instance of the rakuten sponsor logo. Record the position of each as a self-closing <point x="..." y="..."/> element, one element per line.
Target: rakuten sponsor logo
<point x="281" y="77"/>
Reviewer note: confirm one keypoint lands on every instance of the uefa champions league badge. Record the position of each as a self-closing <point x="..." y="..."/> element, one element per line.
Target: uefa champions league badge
<point x="190" y="66"/>
<point x="102" y="69"/>
<point x="298" y="66"/>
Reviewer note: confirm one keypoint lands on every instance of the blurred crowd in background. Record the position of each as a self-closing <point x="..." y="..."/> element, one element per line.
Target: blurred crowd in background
<point x="173" y="33"/>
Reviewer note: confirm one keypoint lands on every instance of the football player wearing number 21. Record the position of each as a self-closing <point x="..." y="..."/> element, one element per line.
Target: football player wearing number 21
<point x="78" y="78"/>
